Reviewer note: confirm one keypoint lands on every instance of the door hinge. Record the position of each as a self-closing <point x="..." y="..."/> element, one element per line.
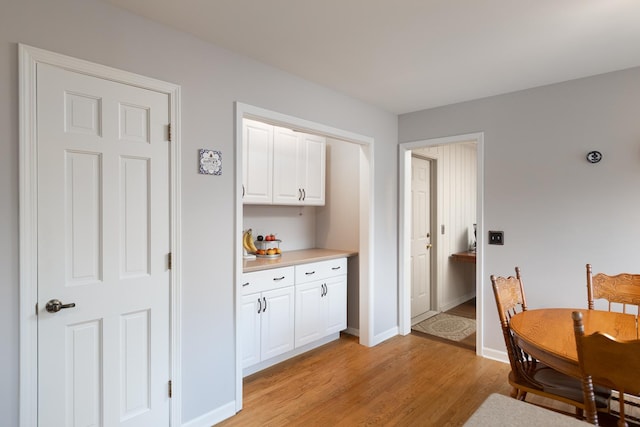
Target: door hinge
<point x="170" y="392"/>
<point x="169" y="131"/>
<point x="169" y="260"/>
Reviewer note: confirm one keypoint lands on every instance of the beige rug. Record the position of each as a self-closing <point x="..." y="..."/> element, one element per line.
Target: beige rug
<point x="447" y="326"/>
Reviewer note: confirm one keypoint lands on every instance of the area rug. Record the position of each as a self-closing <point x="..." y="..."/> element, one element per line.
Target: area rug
<point x="447" y="326"/>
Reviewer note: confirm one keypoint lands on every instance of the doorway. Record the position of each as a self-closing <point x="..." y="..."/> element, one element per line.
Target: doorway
<point x="443" y="235"/>
<point x="365" y="208"/>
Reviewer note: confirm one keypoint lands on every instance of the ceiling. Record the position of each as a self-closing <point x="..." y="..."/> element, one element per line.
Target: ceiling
<point x="408" y="55"/>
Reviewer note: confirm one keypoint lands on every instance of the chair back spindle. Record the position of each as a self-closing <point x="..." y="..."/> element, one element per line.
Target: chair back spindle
<point x="623" y="289"/>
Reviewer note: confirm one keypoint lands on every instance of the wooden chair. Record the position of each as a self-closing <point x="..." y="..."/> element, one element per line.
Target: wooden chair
<point x="607" y="362"/>
<point x="527" y="374"/>
<point x="621" y="289"/>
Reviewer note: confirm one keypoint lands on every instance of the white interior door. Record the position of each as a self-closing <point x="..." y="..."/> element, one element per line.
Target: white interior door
<point x="103" y="244"/>
<point x="420" y="237"/>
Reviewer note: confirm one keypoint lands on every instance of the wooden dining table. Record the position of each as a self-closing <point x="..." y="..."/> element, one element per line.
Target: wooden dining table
<point x="547" y="333"/>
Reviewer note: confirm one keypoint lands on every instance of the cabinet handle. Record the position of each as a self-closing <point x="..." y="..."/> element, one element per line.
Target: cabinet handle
<point x="242" y="190"/>
<point x="278" y="278"/>
<point x="259" y="306"/>
<point x="324" y="289"/>
<point x="265" y="304"/>
<point x="299" y="194"/>
<point x="309" y="273"/>
<point x="335" y="268"/>
<point x="245" y="284"/>
<point x="304" y="194"/>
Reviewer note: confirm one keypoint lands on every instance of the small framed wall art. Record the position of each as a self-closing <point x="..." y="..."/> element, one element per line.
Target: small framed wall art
<point x="210" y="162"/>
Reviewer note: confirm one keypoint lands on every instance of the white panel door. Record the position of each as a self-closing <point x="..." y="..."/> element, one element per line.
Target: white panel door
<point x="103" y="241"/>
<point x="335" y="300"/>
<point x="420" y="237"/>
<point x="313" y="169"/>
<point x="257" y="167"/>
<point x="277" y="320"/>
<point x="287" y="188"/>
<point x="310" y="313"/>
<point x="250" y="329"/>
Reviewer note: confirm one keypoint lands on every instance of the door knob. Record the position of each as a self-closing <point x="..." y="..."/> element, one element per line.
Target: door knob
<point x="429" y="245"/>
<point x="54" y="306"/>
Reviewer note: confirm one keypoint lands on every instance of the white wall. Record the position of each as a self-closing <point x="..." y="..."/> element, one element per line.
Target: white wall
<point x="294" y="225"/>
<point x="212" y="79"/>
<point x="456" y="183"/>
<point x="338" y="220"/>
<point x="558" y="212"/>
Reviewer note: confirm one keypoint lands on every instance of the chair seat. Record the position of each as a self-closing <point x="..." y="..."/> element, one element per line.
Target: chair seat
<point x="548" y="380"/>
<point x="558" y="383"/>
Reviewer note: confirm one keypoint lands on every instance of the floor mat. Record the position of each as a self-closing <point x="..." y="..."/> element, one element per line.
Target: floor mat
<point x="450" y="328"/>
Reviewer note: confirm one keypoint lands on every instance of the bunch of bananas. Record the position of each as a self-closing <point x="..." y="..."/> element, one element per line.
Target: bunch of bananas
<point x="247" y="242"/>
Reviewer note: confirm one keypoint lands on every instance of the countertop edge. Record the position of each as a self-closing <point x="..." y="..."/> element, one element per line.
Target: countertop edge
<point x="293" y="258"/>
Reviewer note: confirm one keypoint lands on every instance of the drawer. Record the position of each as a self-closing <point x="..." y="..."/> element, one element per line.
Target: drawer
<point x="264" y="280"/>
<point x="320" y="270"/>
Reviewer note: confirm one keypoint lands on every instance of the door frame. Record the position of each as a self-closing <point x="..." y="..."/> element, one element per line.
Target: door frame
<point x="366" y="214"/>
<point x="29" y="58"/>
<point x="404" y="227"/>
<point x="433" y="211"/>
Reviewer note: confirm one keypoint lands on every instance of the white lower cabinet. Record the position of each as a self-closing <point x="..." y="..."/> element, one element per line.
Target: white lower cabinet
<point x="267" y="316"/>
<point x="321" y="300"/>
<point x="284" y="309"/>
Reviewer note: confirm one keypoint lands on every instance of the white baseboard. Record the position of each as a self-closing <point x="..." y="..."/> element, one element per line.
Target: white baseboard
<point x="490" y="353"/>
<point x="377" y="339"/>
<point x="456" y="302"/>
<point x="352" y="331"/>
<point x="214" y="417"/>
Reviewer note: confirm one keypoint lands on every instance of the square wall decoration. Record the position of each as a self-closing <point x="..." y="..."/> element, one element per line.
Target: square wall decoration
<point x="210" y="162"/>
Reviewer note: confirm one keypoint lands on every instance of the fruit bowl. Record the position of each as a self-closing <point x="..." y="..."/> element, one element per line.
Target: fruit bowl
<point x="268" y="248"/>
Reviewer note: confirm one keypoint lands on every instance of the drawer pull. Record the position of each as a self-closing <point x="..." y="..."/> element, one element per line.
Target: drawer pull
<point x="309" y="273"/>
<point x="245" y="284"/>
<point x="278" y="278"/>
<point x="336" y="268"/>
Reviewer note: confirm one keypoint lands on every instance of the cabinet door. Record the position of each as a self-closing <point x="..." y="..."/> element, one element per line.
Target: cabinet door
<point x="250" y="329"/>
<point x="257" y="162"/>
<point x="310" y="313"/>
<point x="335" y="301"/>
<point x="287" y="188"/>
<point x="313" y="169"/>
<point x="277" y="322"/>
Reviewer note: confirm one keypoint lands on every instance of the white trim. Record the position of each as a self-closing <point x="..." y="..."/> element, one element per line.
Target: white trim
<point x="389" y="333"/>
<point x="499" y="356"/>
<point x="404" y="230"/>
<point x="366" y="216"/>
<point x="213" y="417"/>
<point x="29" y="57"/>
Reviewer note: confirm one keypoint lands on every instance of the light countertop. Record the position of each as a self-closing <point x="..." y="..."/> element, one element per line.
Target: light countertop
<point x="289" y="258"/>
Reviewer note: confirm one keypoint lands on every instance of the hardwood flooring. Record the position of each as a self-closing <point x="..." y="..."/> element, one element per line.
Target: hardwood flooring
<point x="404" y="381"/>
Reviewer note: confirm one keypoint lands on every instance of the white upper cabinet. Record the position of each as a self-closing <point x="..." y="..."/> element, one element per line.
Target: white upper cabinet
<point x="297" y="170"/>
<point x="257" y="162"/>
<point x="312" y="170"/>
<point x="287" y="165"/>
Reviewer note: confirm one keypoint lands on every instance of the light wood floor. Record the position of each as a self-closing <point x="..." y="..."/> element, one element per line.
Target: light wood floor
<point x="404" y="381"/>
